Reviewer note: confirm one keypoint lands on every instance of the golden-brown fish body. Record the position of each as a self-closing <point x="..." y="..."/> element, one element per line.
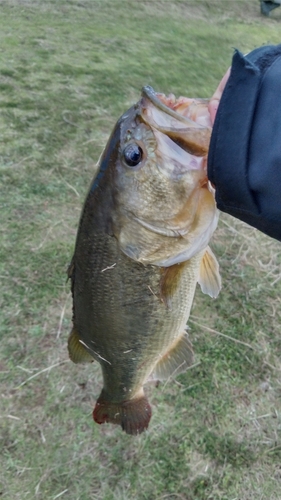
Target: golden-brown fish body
<point x="141" y="248"/>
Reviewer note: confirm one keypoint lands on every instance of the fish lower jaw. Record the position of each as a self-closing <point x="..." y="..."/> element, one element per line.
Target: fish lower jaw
<point x="133" y="415"/>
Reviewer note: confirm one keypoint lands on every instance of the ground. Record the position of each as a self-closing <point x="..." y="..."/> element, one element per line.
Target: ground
<point x="68" y="70"/>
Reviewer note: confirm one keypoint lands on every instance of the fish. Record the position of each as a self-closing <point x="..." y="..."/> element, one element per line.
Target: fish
<point x="142" y="245"/>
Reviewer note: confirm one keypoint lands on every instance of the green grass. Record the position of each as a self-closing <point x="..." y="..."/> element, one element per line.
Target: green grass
<point x="68" y="70"/>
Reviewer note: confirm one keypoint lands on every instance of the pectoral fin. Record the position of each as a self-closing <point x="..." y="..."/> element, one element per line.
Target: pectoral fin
<point x="176" y="360"/>
<point x="76" y="350"/>
<point x="209" y="274"/>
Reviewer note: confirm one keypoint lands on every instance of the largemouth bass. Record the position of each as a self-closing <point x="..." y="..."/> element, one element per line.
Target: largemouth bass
<point x="142" y="245"/>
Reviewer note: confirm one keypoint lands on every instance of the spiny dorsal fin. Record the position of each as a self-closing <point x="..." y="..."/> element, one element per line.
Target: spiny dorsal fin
<point x="77" y="352"/>
<point x="176" y="360"/>
<point x="209" y="274"/>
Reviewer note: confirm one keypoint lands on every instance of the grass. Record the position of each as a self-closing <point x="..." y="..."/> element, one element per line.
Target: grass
<point x="68" y="70"/>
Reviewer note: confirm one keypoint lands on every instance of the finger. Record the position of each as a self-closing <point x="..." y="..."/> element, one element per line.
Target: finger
<point x="215" y="99"/>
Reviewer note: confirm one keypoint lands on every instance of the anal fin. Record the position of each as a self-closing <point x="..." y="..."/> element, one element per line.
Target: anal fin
<point x="176" y="360"/>
<point x="76" y="350"/>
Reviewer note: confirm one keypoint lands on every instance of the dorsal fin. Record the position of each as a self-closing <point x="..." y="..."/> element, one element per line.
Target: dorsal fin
<point x="209" y="274"/>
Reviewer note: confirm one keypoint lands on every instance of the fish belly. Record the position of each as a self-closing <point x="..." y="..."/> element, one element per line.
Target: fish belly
<point x="128" y="316"/>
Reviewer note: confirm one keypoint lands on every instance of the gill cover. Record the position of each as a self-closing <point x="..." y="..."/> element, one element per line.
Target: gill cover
<point x="166" y="208"/>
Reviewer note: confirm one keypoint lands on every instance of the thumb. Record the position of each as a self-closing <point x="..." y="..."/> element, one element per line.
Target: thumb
<point x="215" y="99"/>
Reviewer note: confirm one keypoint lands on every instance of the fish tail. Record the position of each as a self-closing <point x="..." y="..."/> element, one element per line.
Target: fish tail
<point x="133" y="415"/>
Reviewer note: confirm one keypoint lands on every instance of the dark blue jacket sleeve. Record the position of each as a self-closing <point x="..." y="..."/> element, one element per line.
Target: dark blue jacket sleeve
<point x="244" y="161"/>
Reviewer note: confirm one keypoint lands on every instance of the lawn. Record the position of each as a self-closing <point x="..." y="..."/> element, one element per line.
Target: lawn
<point x="68" y="70"/>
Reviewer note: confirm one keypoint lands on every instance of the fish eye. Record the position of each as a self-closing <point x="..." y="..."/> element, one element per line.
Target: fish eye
<point x="133" y="154"/>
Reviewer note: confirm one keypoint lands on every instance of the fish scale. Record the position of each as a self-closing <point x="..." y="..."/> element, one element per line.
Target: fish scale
<point x="141" y="247"/>
<point x="145" y="327"/>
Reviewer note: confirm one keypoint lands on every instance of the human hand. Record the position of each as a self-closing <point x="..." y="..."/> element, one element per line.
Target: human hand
<point x="215" y="99"/>
<point x="200" y="111"/>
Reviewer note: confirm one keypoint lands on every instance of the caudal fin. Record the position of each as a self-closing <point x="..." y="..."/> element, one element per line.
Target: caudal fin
<point x="133" y="415"/>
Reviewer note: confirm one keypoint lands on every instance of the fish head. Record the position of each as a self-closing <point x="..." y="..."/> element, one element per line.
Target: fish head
<point x="163" y="209"/>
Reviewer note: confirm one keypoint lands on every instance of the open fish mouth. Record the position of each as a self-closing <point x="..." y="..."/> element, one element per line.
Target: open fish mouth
<point x="171" y="117"/>
<point x="157" y="100"/>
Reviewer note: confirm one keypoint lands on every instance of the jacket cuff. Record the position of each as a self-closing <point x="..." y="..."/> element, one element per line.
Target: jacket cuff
<point x="232" y="164"/>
